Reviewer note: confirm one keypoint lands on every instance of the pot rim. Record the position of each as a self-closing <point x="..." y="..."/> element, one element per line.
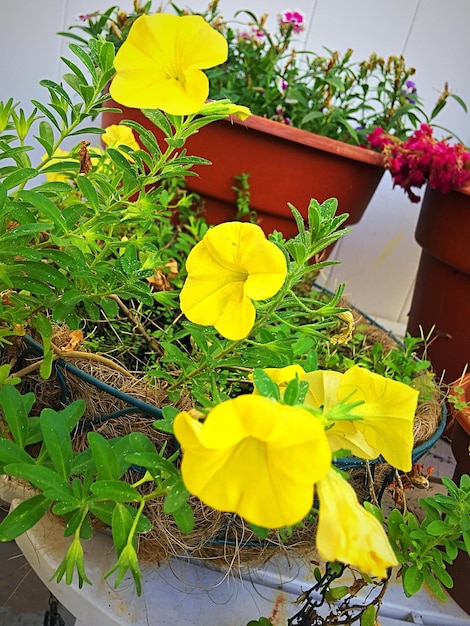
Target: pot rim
<point x="307" y="138"/>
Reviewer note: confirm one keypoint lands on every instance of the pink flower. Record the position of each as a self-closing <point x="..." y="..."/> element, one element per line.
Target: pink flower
<point x="296" y="18"/>
<point x="254" y="34"/>
<point x="421" y="159"/>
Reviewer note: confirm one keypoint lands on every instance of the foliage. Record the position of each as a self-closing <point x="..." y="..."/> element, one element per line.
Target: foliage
<point x="425" y="548"/>
<point x="328" y="93"/>
<point x="83" y="236"/>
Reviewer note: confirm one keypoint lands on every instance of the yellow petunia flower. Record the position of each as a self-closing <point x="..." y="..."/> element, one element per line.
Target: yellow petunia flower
<point x="117" y="135"/>
<point x="254" y="457"/>
<point x="386" y="414"/>
<point x="232" y="265"/>
<point x="347" y="532"/>
<point x="159" y="65"/>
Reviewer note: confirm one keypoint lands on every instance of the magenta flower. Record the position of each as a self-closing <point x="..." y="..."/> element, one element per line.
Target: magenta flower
<point x="422" y="159"/>
<point x="296" y="18"/>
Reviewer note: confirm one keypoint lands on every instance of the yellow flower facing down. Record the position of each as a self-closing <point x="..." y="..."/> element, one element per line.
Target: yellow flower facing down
<point x="232" y="265"/>
<point x="254" y="457"/>
<point x="386" y="414"/>
<point x="117" y="135"/>
<point x="347" y="532"/>
<point x="159" y="65"/>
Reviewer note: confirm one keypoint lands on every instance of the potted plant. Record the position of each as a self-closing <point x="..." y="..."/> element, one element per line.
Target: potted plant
<point x="310" y="116"/>
<point x="235" y="392"/>
<point x="441" y="297"/>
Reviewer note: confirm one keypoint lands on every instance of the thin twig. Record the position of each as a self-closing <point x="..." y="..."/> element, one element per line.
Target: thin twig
<point x="138" y="325"/>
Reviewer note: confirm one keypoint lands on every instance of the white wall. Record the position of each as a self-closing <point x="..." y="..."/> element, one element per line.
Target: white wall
<point x="379" y="258"/>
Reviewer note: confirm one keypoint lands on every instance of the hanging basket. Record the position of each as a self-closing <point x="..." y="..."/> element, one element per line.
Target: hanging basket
<point x="117" y="404"/>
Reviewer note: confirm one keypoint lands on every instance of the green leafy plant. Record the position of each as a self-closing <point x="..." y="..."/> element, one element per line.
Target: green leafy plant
<point x="82" y="236"/>
<point x="269" y="71"/>
<point x="424" y="548"/>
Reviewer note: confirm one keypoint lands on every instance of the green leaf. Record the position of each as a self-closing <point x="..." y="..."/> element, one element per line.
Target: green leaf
<point x="177" y="495"/>
<point x="121" y="527"/>
<point x="107" y="463"/>
<point x="84" y="58"/>
<point x="39" y="476"/>
<point x="413" y="579"/>
<point x="434" y="584"/>
<point x="16" y="408"/>
<point x="437" y="528"/>
<point x="46" y="136"/>
<point x="89" y="192"/>
<point x="45" y="206"/>
<point x="165" y="425"/>
<point x="265" y="386"/>
<point x="184" y="518"/>
<point x="57" y="441"/>
<point x="153" y="462"/>
<point x="336" y="593"/>
<point x="115" y="490"/>
<point x="110" y="307"/>
<point x="19" y="177"/>
<point x="159" y="119"/>
<point x="11" y="452"/>
<point x="368" y="616"/>
<point x="23" y="517"/>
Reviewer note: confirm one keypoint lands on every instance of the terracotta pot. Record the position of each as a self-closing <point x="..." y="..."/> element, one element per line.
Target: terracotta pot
<point x="441" y="297"/>
<point x="460" y="568"/>
<point x="285" y="165"/>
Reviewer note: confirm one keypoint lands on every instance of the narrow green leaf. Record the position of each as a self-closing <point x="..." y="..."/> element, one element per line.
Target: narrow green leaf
<point x="47" y="135"/>
<point x="121" y="527"/>
<point x="11" y="452"/>
<point x="115" y="490"/>
<point x="107" y="463"/>
<point x="177" y="495"/>
<point x="89" y="192"/>
<point x="19" y="177"/>
<point x="16" y="408"/>
<point x="39" y="476"/>
<point x="184" y="518"/>
<point x="46" y="208"/>
<point x="264" y="385"/>
<point x="57" y="442"/>
<point x="23" y="517"/>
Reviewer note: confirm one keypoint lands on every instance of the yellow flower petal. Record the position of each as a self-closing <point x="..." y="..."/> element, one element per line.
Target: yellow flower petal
<point x="232" y="265"/>
<point x="159" y="65"/>
<point x="323" y="389"/>
<point x="254" y="457"/>
<point x="347" y="532"/>
<point x="117" y="135"/>
<point x="387" y="413"/>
